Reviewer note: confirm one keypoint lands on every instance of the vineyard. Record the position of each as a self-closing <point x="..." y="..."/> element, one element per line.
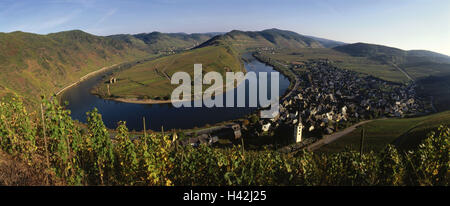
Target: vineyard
<point x="68" y="153"/>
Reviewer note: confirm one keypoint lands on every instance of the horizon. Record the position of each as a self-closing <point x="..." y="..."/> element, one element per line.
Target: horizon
<point x="407" y="25"/>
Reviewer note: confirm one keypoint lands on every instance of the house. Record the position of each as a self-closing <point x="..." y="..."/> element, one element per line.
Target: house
<point x="213" y="140"/>
<point x="237" y="131"/>
<point x="265" y="127"/>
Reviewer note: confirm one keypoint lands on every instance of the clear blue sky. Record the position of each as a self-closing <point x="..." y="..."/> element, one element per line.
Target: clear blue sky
<point x="406" y="24"/>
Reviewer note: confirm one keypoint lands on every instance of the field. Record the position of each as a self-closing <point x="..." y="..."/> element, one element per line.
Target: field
<point x="342" y="60"/>
<point x="426" y="69"/>
<point x="405" y="133"/>
<point x="151" y="80"/>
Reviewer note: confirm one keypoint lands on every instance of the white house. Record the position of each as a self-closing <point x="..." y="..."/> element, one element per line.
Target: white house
<point x="265" y="127"/>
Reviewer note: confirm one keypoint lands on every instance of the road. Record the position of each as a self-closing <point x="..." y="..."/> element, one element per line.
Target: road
<point x="327" y="139"/>
<point x="86" y="77"/>
<point x="410" y="78"/>
<point x="296" y="85"/>
<point x="403" y="71"/>
<point x="295" y="88"/>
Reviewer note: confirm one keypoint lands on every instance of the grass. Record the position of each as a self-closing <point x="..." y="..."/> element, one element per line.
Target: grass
<point x="438" y="88"/>
<point x="425" y="69"/>
<point x="405" y="133"/>
<point x="148" y="80"/>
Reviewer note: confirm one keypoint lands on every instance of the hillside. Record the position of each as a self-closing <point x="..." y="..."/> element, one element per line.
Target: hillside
<point x="417" y="63"/>
<point x="156" y="42"/>
<point x="405" y="133"/>
<point x="327" y="43"/>
<point x="33" y="64"/>
<point x="436" y="88"/>
<point x="270" y="38"/>
<point x="342" y="60"/>
<point x="151" y="80"/>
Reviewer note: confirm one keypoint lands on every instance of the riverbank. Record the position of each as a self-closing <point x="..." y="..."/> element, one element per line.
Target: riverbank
<point x="294" y="82"/>
<point x="293" y="85"/>
<point x="104" y="69"/>
<point x="194" y="97"/>
<point x="164" y="101"/>
<point x="85" y="77"/>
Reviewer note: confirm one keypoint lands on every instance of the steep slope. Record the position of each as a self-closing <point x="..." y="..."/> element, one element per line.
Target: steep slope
<point x="32" y="64"/>
<point x="270" y="38"/>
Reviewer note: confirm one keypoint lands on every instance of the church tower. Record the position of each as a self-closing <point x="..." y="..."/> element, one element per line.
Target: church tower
<point x="298" y="131"/>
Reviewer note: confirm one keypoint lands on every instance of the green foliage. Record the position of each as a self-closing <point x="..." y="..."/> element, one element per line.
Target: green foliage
<point x="17" y="130"/>
<point x="99" y="148"/>
<point x="430" y="164"/>
<point x="126" y="161"/>
<point x="33" y="64"/>
<point x="64" y="141"/>
<point x="92" y="156"/>
<point x="392" y="167"/>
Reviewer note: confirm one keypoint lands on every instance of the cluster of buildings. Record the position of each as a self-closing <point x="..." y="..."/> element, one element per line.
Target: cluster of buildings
<point x="212" y="136"/>
<point x="328" y="98"/>
<point x="324" y="100"/>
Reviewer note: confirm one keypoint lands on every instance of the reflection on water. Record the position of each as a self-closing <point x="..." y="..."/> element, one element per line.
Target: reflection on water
<point x="80" y="101"/>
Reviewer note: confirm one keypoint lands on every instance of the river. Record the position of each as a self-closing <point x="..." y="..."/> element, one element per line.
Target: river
<point x="81" y="101"/>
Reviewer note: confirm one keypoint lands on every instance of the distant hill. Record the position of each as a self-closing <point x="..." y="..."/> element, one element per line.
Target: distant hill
<point x="165" y="42"/>
<point x="327" y="43"/>
<point x="417" y="63"/>
<point x="398" y="56"/>
<point x="270" y="38"/>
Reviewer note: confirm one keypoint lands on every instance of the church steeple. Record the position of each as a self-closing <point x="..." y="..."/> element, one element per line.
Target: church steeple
<point x="298" y="130"/>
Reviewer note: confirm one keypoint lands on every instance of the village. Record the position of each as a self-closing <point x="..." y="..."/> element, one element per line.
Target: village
<point x="324" y="100"/>
<point x="329" y="99"/>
